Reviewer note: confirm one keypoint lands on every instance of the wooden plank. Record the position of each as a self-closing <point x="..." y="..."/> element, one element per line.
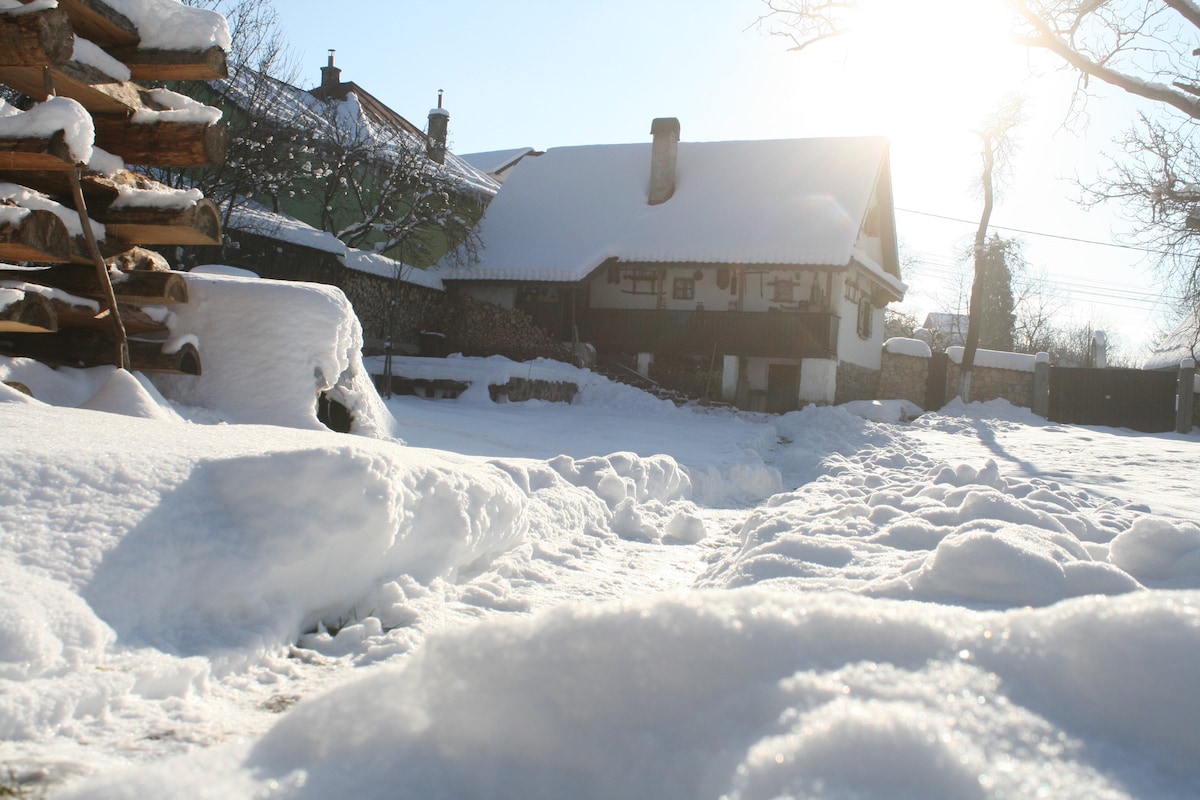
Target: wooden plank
<point x="98" y="190"/>
<point x="138" y="258"/>
<point x="164" y="143"/>
<point x="199" y="224"/>
<point x="141" y="287"/>
<point x="101" y="23"/>
<point x="33" y="313"/>
<point x="149" y="356"/>
<point x="36" y="38"/>
<point x="36" y="154"/>
<point x="83" y="347"/>
<point x="174" y="65"/>
<point x="94" y="90"/>
<point x="39" y="236"/>
<point x="137" y="322"/>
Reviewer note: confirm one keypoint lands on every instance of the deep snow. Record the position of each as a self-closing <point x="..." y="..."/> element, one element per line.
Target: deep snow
<point x="613" y="598"/>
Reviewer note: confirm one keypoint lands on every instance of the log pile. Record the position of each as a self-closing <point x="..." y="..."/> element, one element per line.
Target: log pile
<point x="75" y="287"/>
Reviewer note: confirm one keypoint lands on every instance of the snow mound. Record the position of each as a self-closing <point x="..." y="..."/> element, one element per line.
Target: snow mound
<point x="126" y="393"/>
<point x="1160" y="550"/>
<point x="634" y="488"/>
<point x="250" y="551"/>
<point x="963" y="535"/>
<point x="269" y="348"/>
<point x="750" y="694"/>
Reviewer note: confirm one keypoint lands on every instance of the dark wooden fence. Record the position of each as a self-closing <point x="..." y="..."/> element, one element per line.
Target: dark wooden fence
<point x="1143" y="400"/>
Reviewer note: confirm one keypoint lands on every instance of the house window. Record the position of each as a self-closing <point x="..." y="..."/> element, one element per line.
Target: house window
<point x="853" y="292"/>
<point x="645" y="281"/>
<point x="866" y="317"/>
<point x="683" y="289"/>
<point x="784" y="291"/>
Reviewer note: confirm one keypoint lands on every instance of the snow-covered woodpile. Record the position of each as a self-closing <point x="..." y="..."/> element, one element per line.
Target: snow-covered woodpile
<point x="75" y="286"/>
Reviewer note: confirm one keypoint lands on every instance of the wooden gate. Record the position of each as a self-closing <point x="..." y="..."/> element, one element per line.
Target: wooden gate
<point x="1143" y="400"/>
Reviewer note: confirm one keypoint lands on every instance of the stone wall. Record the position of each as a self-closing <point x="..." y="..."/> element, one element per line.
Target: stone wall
<point x="904" y="377"/>
<point x="856" y="383"/>
<point x="991" y="383"/>
<point x="471" y="327"/>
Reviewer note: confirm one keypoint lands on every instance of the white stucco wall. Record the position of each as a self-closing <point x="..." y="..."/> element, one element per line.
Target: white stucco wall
<point x="818" y="380"/>
<point x="852" y="347"/>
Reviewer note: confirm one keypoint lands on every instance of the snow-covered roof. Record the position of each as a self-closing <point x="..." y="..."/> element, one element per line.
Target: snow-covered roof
<point x="793" y="201"/>
<point x="255" y="219"/>
<point x="1181" y="343"/>
<point x="358" y="113"/>
<point x="494" y="161"/>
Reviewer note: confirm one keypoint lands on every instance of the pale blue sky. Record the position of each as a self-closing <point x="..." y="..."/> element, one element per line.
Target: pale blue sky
<point x="546" y="74"/>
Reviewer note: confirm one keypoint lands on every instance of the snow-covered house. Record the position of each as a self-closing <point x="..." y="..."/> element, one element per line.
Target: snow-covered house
<point x="340" y="159"/>
<point x="944" y="329"/>
<point x="770" y="260"/>
<point x="1181" y="343"/>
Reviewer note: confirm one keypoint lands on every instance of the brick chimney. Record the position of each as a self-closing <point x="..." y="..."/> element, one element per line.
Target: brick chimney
<point x="662" y="159"/>
<point x="439" y="124"/>
<point x="331" y="78"/>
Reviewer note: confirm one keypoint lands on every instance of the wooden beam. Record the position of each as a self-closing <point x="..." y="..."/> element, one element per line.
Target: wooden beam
<point x="149" y="356"/>
<point x="199" y="224"/>
<point x="163" y="144"/>
<point x="140" y="287"/>
<point x="96" y="91"/>
<point x="84" y="347"/>
<point x="174" y="65"/>
<point x="138" y="258"/>
<point x="33" y="313"/>
<point x="136" y="321"/>
<point x="41" y="154"/>
<point x="39" y="236"/>
<point x="99" y="191"/>
<point x="36" y="38"/>
<point x="99" y="22"/>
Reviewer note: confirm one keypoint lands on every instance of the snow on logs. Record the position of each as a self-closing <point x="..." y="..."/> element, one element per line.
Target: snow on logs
<point x="81" y="58"/>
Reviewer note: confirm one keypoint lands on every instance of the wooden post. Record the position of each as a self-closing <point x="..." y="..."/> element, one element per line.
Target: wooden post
<point x="1187" y="396"/>
<point x="1041" y="385"/>
<point x="122" y="342"/>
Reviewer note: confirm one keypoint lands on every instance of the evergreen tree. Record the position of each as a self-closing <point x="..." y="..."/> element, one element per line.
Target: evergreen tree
<point x="998" y="318"/>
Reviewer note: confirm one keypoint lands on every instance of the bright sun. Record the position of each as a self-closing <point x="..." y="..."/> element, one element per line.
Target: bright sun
<point x="937" y="64"/>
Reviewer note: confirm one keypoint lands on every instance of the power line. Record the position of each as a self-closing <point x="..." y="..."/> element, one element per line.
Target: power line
<point x="1034" y="233"/>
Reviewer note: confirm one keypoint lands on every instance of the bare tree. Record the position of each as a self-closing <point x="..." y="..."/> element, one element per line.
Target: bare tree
<point x="1037" y="305"/>
<point x="996" y="146"/>
<point x="1146" y="48"/>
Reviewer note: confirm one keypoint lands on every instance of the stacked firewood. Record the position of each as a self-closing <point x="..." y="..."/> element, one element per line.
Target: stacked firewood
<point x="475" y="328"/>
<point x="76" y="285"/>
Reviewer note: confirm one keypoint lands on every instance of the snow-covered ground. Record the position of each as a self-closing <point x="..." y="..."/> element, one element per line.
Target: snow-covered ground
<point x="613" y="598"/>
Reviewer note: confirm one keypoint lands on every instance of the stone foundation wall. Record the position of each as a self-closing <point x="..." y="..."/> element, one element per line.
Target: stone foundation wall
<point x="991" y="383"/>
<point x="856" y="383"/>
<point x="904" y="377"/>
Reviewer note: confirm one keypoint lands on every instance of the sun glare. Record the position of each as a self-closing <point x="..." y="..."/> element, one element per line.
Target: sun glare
<point x="937" y="64"/>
